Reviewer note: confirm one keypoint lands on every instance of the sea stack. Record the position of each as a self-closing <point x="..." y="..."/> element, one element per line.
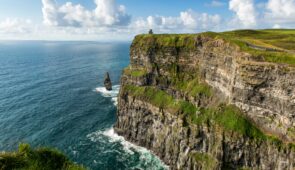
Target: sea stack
<point x="107" y="82"/>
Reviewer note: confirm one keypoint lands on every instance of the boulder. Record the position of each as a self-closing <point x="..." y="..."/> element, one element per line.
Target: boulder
<point x="108" y="82"/>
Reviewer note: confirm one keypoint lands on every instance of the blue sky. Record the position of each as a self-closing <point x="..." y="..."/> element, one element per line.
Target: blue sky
<point x="33" y="8"/>
<point x="122" y="19"/>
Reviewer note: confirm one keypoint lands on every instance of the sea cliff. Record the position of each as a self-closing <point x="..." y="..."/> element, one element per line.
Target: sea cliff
<point x="209" y="101"/>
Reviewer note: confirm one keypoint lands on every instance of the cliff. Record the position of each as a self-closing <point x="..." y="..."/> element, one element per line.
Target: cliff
<point x="210" y="101"/>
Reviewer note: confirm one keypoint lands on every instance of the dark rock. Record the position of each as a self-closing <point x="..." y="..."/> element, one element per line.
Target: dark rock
<point x="108" y="82"/>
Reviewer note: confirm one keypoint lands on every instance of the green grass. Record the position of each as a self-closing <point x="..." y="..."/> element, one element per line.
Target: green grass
<point x="280" y="39"/>
<point x="208" y="162"/>
<point x="160" y="99"/>
<point x="283" y="40"/>
<point x="27" y="158"/>
<point x="188" y="81"/>
<point x="135" y="72"/>
<point x="229" y="118"/>
<point x="183" y="41"/>
<point x="193" y="87"/>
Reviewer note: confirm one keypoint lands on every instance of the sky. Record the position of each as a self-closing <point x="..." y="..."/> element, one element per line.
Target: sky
<point x="111" y="20"/>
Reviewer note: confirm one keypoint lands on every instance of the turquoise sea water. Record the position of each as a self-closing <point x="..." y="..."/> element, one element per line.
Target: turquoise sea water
<point x="51" y="95"/>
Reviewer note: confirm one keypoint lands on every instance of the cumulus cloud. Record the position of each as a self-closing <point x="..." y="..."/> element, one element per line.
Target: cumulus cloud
<point x="107" y="13"/>
<point x="15" y="26"/>
<point x="187" y="21"/>
<point x="245" y="12"/>
<point x="281" y="11"/>
<point x="106" y="21"/>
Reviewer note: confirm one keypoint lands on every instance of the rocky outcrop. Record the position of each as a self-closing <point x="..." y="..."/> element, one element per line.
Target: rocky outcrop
<point x="108" y="82"/>
<point x="199" y="77"/>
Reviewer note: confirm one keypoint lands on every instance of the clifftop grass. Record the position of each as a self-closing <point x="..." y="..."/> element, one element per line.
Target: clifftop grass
<point x="277" y="46"/>
<point x="277" y="39"/>
<point x="27" y="158"/>
<point x="185" y="41"/>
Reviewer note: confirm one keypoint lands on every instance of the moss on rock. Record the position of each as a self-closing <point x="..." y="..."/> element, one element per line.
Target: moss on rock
<point x="160" y="99"/>
<point x="135" y="72"/>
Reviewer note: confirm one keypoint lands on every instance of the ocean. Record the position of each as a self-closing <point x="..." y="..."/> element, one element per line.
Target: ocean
<point x="51" y="94"/>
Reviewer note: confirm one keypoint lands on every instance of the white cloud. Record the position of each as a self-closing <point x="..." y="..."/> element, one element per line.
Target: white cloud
<point x="107" y="13"/>
<point x="276" y="26"/>
<point x="107" y="21"/>
<point x="281" y="11"/>
<point x="245" y="12"/>
<point x="50" y="14"/>
<point x="15" y="26"/>
<point x="187" y="21"/>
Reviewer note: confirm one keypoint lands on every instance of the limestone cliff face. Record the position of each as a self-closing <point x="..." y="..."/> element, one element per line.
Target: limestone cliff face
<point x="205" y="73"/>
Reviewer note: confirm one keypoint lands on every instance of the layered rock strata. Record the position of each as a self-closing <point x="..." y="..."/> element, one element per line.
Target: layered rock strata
<point x="199" y="102"/>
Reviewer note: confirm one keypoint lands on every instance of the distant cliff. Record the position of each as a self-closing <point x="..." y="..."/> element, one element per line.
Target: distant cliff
<point x="208" y="101"/>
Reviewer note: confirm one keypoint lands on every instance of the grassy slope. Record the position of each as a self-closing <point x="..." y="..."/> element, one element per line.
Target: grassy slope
<point x="36" y="159"/>
<point x="282" y="40"/>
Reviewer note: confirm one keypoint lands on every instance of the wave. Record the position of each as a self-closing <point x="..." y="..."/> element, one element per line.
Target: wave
<point x="114" y="137"/>
<point x="111" y="94"/>
<point x="145" y="155"/>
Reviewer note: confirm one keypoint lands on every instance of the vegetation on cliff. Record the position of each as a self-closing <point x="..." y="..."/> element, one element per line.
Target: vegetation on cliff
<point x="205" y="160"/>
<point x="207" y="100"/>
<point x="276" y="46"/>
<point x="273" y="45"/>
<point x="160" y="99"/>
<point x="194" y="87"/>
<point x="27" y="158"/>
<point x="228" y="117"/>
<point x="135" y="72"/>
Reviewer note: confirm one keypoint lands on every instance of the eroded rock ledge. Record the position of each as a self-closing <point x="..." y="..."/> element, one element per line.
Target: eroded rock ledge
<point x="199" y="102"/>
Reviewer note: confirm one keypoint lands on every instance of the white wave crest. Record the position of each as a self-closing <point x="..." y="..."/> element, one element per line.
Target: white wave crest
<point x="112" y="94"/>
<point x="114" y="137"/>
<point x="145" y="155"/>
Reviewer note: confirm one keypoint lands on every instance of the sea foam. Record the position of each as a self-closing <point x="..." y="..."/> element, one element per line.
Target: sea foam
<point x="111" y="94"/>
<point x="112" y="137"/>
<point x="130" y="148"/>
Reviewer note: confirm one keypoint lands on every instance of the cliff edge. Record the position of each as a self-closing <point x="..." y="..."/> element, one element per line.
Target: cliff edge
<point x="211" y="100"/>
